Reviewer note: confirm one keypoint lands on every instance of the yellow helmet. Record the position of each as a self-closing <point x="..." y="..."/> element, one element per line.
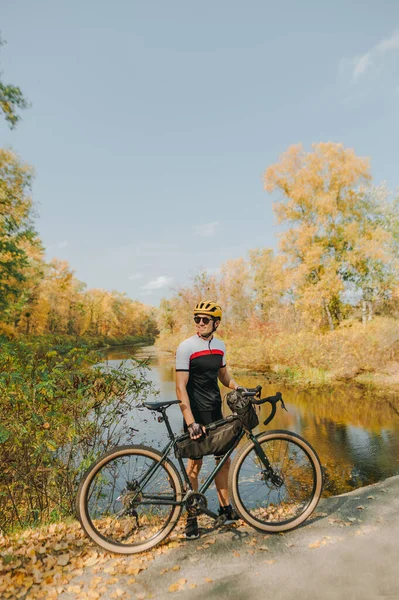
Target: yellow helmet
<point x="206" y="307"/>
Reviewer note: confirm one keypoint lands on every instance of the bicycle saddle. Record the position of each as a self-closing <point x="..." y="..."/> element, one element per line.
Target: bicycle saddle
<point x="159" y="405"/>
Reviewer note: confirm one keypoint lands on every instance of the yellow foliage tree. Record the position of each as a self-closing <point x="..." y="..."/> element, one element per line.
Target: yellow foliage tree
<point x="335" y="238"/>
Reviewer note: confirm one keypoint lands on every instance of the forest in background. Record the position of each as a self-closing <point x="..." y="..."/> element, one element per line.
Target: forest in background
<point x="326" y="306"/>
<point x="60" y="409"/>
<point x="39" y="297"/>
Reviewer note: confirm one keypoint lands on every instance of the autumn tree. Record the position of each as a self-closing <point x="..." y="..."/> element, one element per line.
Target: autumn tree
<point x="11" y="99"/>
<point x="16" y="226"/>
<point x="166" y="317"/>
<point x="268" y="281"/>
<point x="335" y="232"/>
<point x="235" y="294"/>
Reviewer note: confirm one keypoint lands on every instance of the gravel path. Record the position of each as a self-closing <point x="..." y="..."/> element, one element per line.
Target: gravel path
<point x="348" y="549"/>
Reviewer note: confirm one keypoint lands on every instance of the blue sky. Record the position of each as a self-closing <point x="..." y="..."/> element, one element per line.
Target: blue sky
<point x="152" y="122"/>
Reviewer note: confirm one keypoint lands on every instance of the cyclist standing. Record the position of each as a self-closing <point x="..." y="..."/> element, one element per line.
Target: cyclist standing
<point x="200" y="362"/>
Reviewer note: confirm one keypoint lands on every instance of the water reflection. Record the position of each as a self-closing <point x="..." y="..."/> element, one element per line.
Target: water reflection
<point x="355" y="435"/>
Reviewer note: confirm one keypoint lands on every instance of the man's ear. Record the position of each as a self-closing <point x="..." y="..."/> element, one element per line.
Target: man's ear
<point x="217" y="323"/>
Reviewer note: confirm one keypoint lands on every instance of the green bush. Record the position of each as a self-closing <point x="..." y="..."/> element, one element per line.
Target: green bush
<point x="59" y="411"/>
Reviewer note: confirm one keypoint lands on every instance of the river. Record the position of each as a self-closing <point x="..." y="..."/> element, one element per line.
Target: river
<point x="355" y="434"/>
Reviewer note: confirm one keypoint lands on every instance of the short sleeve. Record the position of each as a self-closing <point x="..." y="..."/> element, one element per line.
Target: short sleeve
<point x="224" y="361"/>
<point x="183" y="357"/>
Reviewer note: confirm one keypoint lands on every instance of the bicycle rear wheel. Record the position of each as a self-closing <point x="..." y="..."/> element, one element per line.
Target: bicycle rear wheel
<point x="126" y="501"/>
<point x="283" y="498"/>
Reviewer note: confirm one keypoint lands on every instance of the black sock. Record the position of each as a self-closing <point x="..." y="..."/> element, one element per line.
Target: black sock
<point x="225" y="509"/>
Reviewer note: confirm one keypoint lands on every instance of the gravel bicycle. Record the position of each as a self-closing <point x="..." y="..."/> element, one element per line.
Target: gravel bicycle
<point x="132" y="497"/>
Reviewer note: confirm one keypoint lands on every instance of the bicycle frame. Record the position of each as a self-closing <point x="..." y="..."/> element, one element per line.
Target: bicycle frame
<point x="172" y="444"/>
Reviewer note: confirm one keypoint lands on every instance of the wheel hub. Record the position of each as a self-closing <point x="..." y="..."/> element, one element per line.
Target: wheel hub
<point x="272" y="477"/>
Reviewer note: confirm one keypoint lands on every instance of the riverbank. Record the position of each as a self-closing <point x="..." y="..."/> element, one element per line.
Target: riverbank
<point x="384" y="380"/>
<point x="348" y="548"/>
<point x="365" y="355"/>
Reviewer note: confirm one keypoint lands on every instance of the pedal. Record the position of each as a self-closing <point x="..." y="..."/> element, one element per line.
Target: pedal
<point x="220" y="520"/>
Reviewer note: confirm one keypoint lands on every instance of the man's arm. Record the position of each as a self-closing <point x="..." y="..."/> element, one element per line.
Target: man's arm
<point x="226" y="379"/>
<point x="181" y="392"/>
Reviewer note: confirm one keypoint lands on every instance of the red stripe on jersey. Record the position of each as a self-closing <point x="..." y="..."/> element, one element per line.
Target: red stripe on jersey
<point x="205" y="352"/>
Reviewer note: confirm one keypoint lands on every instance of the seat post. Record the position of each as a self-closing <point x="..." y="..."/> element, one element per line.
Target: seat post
<point x="168" y="427"/>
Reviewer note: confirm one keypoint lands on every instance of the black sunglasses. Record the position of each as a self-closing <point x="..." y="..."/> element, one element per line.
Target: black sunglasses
<point x="205" y="320"/>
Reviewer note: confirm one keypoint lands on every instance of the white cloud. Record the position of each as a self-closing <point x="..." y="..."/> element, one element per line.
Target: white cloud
<point x="388" y="44"/>
<point x="134" y="276"/>
<point x="157" y="284"/>
<point x="206" y="230"/>
<point x="362" y="63"/>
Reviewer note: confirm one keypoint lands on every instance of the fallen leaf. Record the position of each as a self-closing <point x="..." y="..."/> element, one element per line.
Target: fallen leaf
<point x="270" y="562"/>
<point x="208" y="580"/>
<point x="264" y="548"/>
<point x="360" y="507"/>
<point x="175" y="587"/>
<point x="176" y="568"/>
<point x="132" y="570"/>
<point x="315" y="545"/>
<point x="91" y="560"/>
<point x="63" y="560"/>
<point x="73" y="589"/>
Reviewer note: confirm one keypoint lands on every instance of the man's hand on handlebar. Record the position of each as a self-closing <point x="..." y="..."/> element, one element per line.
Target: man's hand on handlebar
<point x="250" y="392"/>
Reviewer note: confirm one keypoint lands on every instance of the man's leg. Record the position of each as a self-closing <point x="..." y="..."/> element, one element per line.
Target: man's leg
<point x="193" y="469"/>
<point x="221" y="480"/>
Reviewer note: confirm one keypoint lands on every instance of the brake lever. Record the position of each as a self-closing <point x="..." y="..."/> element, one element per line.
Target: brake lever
<point x="280" y="399"/>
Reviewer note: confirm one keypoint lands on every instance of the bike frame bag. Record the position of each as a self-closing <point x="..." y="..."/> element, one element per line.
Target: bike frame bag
<point x="219" y="438"/>
<point x="243" y="408"/>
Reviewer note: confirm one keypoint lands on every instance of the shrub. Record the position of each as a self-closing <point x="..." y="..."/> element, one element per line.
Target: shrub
<point x="59" y="411"/>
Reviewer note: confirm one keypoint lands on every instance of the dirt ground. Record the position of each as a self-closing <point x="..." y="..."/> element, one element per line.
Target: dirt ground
<point x="347" y="549"/>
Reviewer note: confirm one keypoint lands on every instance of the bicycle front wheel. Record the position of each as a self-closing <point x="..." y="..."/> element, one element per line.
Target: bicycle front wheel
<point x="280" y="498"/>
<point x="128" y="501"/>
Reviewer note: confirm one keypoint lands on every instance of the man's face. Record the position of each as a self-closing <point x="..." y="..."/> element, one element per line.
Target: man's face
<point x="205" y="324"/>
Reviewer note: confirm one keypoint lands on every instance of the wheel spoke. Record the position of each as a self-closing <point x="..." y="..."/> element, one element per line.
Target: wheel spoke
<point x="282" y="496"/>
<point x="112" y="508"/>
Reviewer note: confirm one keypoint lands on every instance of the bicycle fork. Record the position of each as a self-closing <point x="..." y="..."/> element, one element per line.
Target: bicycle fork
<point x="268" y="473"/>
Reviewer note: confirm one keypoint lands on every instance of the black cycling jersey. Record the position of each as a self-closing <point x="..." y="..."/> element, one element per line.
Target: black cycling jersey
<point x="202" y="359"/>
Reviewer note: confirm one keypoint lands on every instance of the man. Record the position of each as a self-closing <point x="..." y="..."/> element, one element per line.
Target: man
<point x="200" y="362"/>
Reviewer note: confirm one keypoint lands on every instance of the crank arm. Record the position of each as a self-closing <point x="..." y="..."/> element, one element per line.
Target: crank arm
<point x="208" y="512"/>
